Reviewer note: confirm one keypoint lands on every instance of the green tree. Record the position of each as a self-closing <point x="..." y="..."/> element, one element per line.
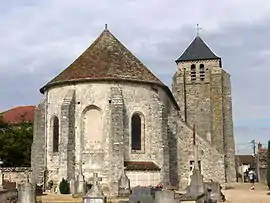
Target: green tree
<point x="268" y="165"/>
<point x="15" y="144"/>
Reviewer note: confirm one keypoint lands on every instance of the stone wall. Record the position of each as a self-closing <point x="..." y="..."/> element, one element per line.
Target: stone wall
<point x="143" y="178"/>
<point x="212" y="161"/>
<point x="197" y="94"/>
<point x="229" y="142"/>
<point x="117" y="103"/>
<point x="209" y="106"/>
<point x="38" y="150"/>
<point x="16" y="174"/>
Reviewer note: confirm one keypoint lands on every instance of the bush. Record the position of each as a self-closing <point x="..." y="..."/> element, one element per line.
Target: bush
<point x="64" y="187"/>
<point x="268" y="165"/>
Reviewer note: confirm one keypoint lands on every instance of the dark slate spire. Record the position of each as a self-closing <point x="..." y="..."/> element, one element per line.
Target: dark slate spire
<point x="197" y="50"/>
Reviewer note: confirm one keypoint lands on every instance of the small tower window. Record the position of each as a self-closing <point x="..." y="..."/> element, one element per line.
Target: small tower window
<point x="193" y="72"/>
<point x="202" y="72"/>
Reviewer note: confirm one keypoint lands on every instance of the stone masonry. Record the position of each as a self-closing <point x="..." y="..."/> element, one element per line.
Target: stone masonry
<point x="204" y="96"/>
<point x="95" y="100"/>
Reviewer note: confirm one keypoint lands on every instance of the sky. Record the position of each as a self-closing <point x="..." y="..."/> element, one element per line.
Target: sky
<point x="39" y="39"/>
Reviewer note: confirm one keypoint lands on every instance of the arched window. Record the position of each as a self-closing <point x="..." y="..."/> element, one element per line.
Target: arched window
<point x="202" y="72"/>
<point x="193" y="72"/>
<point x="55" y="134"/>
<point x="136" y="132"/>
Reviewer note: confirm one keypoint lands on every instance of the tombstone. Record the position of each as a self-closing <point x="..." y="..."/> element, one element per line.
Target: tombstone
<point x="143" y="194"/>
<point x="1" y="176"/>
<point x="80" y="183"/>
<point x="215" y="193"/>
<point x="72" y="186"/>
<point x="196" y="186"/>
<point x="124" y="185"/>
<point x="94" y="195"/>
<point x="165" y="196"/>
<point x="26" y="192"/>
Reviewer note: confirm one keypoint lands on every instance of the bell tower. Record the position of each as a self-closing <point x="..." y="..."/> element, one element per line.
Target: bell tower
<point x="202" y="90"/>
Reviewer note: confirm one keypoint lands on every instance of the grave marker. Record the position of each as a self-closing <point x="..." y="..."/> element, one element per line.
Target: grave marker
<point x="1" y="175"/>
<point x="124" y="185"/>
<point x="26" y="192"/>
<point x="94" y="195"/>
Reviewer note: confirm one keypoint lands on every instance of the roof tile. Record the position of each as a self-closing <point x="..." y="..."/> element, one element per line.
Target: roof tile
<point x="106" y="59"/>
<point x="19" y="114"/>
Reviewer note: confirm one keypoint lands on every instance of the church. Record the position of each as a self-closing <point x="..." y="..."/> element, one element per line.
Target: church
<point x="108" y="113"/>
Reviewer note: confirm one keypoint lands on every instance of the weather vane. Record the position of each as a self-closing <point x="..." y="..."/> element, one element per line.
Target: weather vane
<point x="198" y="30"/>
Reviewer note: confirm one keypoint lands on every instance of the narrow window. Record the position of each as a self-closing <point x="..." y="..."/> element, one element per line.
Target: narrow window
<point x="136" y="132"/>
<point x="55" y="134"/>
<point x="193" y="72"/>
<point x="202" y="72"/>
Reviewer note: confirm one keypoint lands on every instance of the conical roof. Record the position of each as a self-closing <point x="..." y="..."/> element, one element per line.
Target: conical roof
<point x="106" y="59"/>
<point x="197" y="50"/>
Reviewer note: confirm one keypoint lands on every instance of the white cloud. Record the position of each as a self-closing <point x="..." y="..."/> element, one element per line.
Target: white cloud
<point x="41" y="38"/>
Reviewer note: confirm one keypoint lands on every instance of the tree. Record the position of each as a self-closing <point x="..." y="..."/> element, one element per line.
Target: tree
<point x="15" y="143"/>
<point x="268" y="165"/>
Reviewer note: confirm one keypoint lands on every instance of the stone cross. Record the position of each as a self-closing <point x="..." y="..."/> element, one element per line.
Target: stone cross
<point x="94" y="192"/>
<point x="198" y="30"/>
<point x="95" y="178"/>
<point x="1" y="175"/>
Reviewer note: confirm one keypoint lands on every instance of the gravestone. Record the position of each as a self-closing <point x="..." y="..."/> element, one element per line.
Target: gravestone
<point x="215" y="191"/>
<point x="72" y="186"/>
<point x="1" y="176"/>
<point x="124" y="185"/>
<point x="165" y="196"/>
<point x="80" y="183"/>
<point x="196" y="186"/>
<point x="94" y="195"/>
<point x="26" y="192"/>
<point x="143" y="194"/>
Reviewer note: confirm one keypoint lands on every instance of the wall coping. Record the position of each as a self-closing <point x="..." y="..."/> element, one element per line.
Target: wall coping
<point x="16" y="169"/>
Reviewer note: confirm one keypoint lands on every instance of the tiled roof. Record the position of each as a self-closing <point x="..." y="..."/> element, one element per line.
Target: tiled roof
<point x="245" y="159"/>
<point x="19" y="114"/>
<point x="141" y="166"/>
<point x="106" y="59"/>
<point x="197" y="50"/>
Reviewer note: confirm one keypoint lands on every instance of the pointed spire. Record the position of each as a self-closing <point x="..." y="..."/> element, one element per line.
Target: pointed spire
<point x="197" y="50"/>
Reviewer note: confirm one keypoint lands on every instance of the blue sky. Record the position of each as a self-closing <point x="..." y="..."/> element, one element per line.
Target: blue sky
<point x="41" y="38"/>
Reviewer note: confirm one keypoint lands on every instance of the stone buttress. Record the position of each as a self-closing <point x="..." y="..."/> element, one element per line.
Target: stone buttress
<point x="67" y="138"/>
<point x="39" y="145"/>
<point x="116" y="138"/>
<point x="161" y="117"/>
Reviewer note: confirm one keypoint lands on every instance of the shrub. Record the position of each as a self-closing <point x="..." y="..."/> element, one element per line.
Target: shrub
<point x="64" y="187"/>
<point x="268" y="165"/>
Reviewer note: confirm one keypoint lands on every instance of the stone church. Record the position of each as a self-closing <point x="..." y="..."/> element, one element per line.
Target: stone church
<point x="107" y="112"/>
